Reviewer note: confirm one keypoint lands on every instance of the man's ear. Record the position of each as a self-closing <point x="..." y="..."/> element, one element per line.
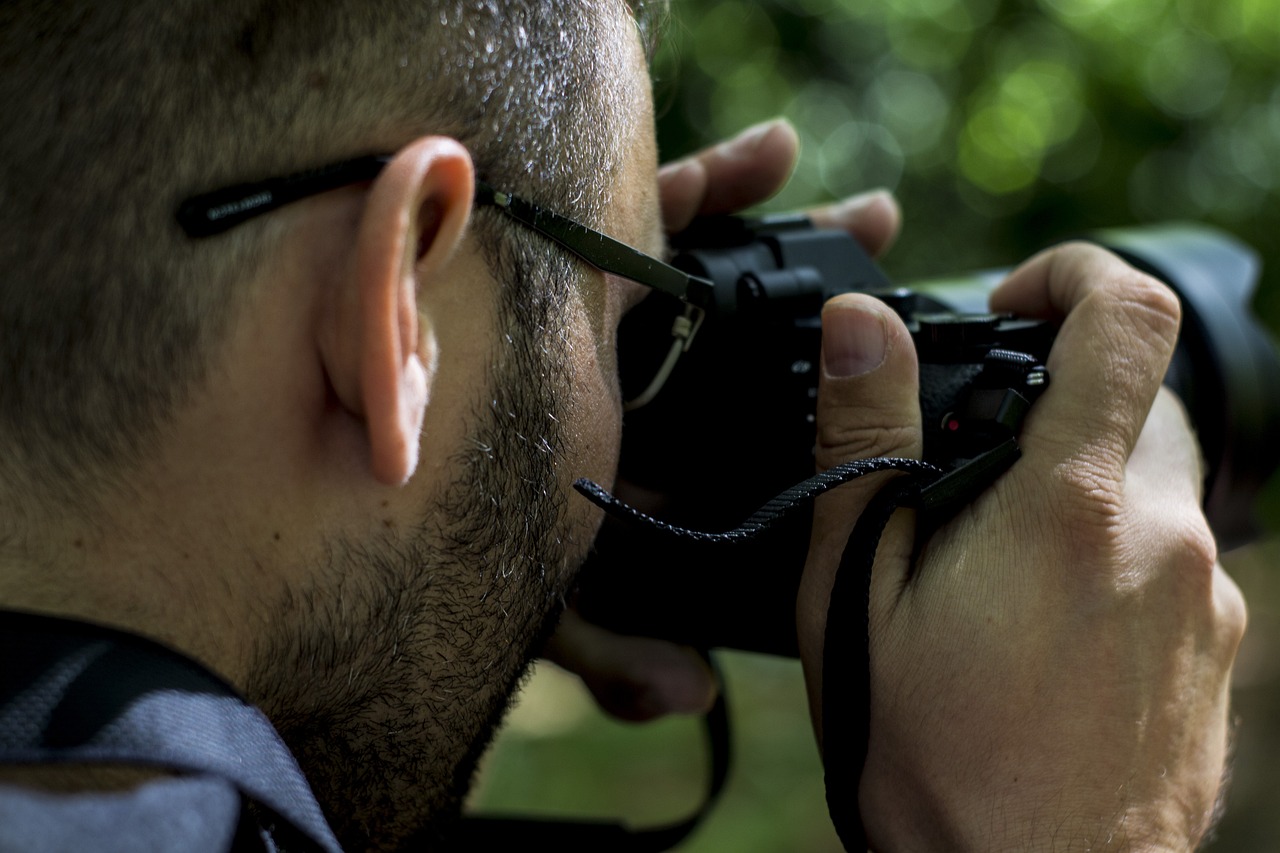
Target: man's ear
<point x="379" y="360"/>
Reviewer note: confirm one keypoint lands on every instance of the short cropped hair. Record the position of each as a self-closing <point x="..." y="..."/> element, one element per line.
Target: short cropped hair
<point x="114" y="112"/>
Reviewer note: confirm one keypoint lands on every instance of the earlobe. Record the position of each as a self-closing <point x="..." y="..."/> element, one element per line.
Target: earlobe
<point x="400" y="465"/>
<point x="415" y="215"/>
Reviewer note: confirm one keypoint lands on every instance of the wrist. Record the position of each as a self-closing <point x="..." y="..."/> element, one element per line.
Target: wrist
<point x="1038" y="836"/>
<point x="1024" y="819"/>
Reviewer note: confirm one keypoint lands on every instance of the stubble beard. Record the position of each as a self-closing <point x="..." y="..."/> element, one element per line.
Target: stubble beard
<point x="404" y="655"/>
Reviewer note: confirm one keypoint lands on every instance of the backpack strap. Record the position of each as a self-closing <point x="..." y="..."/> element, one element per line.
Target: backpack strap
<point x="75" y="693"/>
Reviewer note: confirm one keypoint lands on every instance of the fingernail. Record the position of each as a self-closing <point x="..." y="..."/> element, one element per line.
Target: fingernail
<point x="853" y="340"/>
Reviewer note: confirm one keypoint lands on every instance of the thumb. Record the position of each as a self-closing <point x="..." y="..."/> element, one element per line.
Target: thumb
<point x="867" y="406"/>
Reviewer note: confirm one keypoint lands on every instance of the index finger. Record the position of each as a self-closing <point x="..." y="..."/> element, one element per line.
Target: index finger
<point x="1119" y="328"/>
<point x="730" y="176"/>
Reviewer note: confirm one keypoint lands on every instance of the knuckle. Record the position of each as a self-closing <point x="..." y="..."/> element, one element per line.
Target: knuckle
<point x="1187" y="550"/>
<point x="1184" y="554"/>
<point x="1141" y="302"/>
<point x="838" y="443"/>
<point x="1201" y="590"/>
<point x="1195" y="551"/>
<point x="1068" y="257"/>
<point x="1095" y="522"/>
<point x="1233" y="612"/>
<point x="1089" y="495"/>
<point x="1152" y="308"/>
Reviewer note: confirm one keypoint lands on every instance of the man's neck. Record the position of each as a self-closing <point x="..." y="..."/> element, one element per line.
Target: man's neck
<point x="127" y="589"/>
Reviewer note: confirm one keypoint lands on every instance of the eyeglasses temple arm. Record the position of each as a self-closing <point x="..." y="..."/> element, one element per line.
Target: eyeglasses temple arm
<point x="215" y="212"/>
<point x="600" y="250"/>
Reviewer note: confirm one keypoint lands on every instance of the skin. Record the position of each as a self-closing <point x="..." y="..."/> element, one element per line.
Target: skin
<point x="1074" y="685"/>
<point x="1072" y="630"/>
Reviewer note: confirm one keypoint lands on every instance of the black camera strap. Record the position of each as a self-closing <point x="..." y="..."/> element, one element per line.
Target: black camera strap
<point x="846" y="699"/>
<point x="979" y="443"/>
<point x="772" y="513"/>
<point x="937" y="496"/>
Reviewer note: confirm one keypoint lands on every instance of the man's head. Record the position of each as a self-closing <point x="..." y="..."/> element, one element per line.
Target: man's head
<point x="326" y="452"/>
<point x="117" y="111"/>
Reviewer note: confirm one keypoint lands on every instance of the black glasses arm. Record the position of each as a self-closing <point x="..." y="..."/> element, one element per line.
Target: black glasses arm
<point x="600" y="250"/>
<point x="215" y="212"/>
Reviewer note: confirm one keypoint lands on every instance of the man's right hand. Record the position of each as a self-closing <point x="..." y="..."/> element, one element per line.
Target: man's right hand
<point x="1055" y="675"/>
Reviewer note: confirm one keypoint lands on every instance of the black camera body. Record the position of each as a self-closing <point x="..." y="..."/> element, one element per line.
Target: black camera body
<point x="734" y="424"/>
<point x="753" y="369"/>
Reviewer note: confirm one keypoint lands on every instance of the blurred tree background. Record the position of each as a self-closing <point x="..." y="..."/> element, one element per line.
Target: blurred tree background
<point x="1001" y="126"/>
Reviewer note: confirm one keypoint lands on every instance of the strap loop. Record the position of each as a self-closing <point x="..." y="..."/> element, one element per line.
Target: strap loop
<point x="846" y="661"/>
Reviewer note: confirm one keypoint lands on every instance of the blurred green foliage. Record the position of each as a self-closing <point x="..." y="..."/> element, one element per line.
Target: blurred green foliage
<point x="1002" y="126"/>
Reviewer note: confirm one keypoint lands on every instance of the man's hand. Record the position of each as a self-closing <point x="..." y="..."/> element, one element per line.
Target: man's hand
<point x="638" y="678"/>
<point x="1055" y="675"/>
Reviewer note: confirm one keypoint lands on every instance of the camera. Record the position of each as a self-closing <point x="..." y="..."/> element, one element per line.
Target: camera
<point x="733" y="424"/>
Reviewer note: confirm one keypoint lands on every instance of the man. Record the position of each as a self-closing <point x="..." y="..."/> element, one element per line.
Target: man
<point x="326" y="452"/>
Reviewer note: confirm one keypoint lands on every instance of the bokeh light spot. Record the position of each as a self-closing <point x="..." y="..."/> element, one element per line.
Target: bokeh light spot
<point x="733" y="34"/>
<point x="913" y="107"/>
<point x="858" y="156"/>
<point x="1014" y="123"/>
<point x="1109" y="19"/>
<point x="1185" y="75"/>
<point x="929" y="33"/>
